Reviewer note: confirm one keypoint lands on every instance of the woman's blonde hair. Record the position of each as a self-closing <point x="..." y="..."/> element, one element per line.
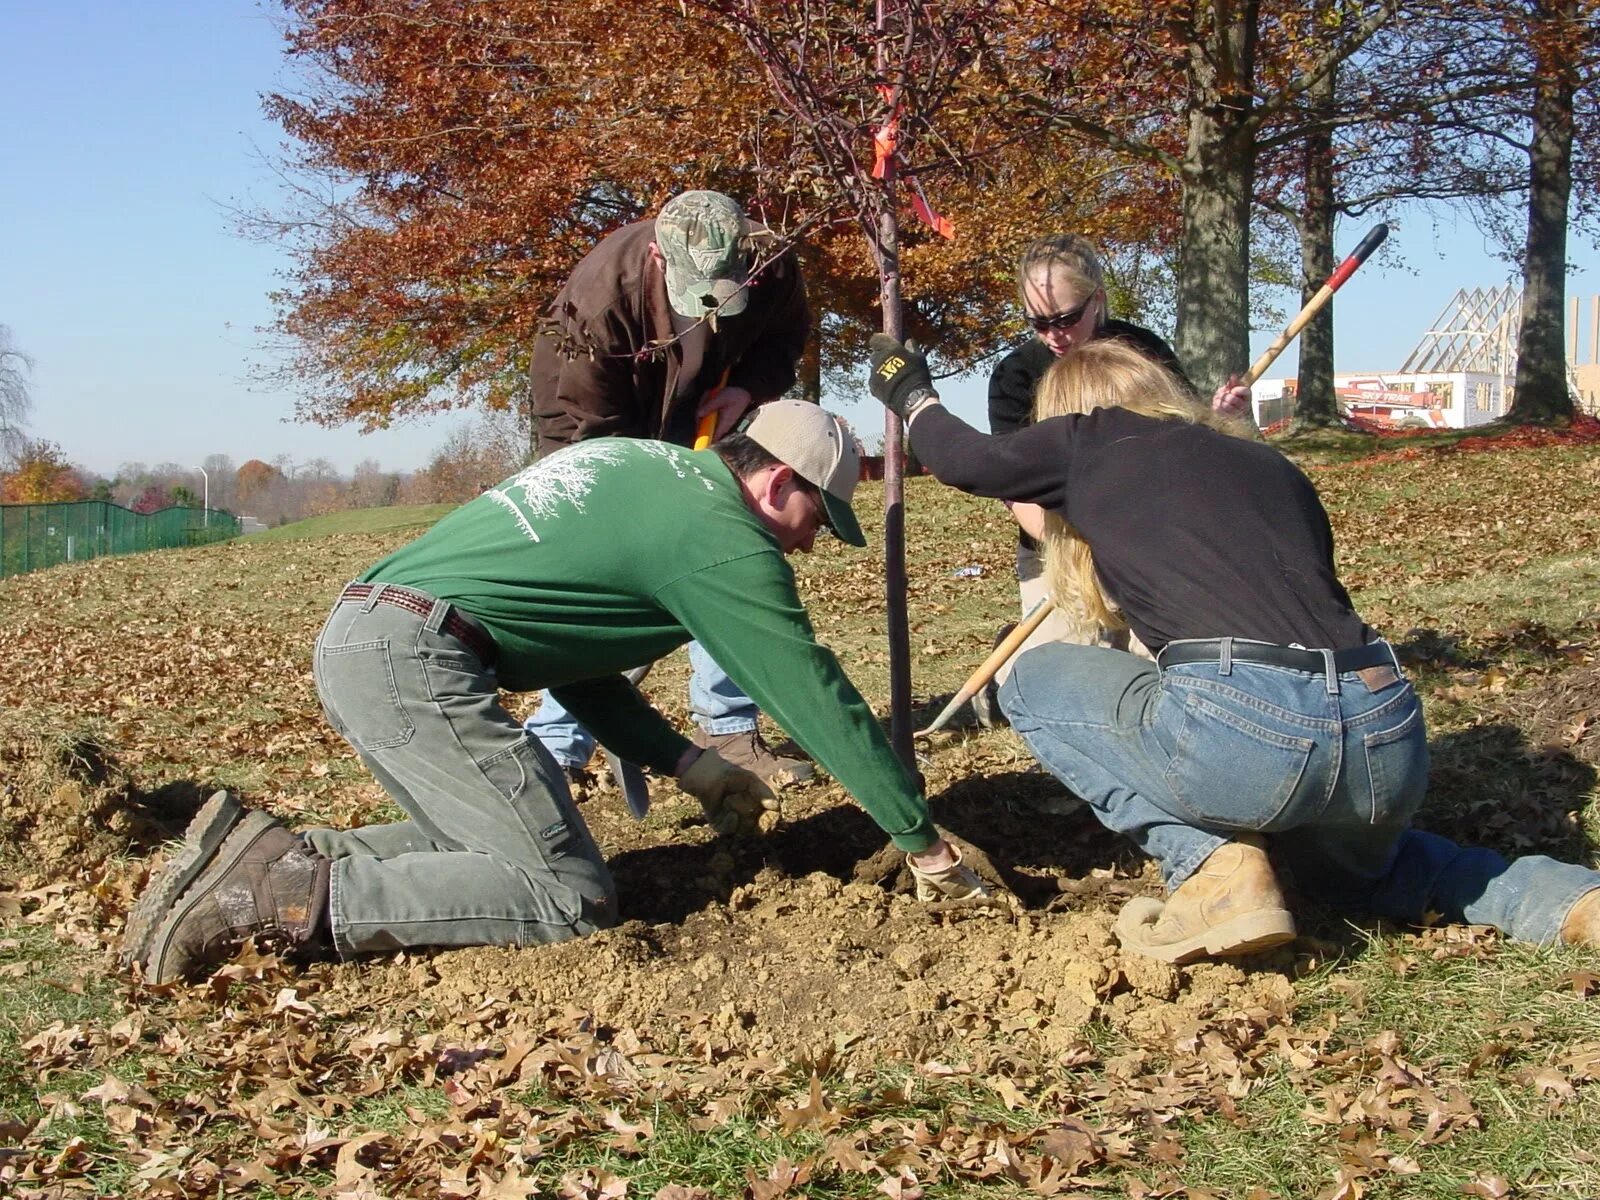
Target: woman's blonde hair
<point x="1107" y="373"/>
<point x="1072" y="258"/>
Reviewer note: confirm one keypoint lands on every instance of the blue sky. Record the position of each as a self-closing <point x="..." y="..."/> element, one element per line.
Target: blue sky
<point x="129" y="129"/>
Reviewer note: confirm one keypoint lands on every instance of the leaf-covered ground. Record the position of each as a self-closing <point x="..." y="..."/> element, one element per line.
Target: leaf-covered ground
<point x="779" y="1019"/>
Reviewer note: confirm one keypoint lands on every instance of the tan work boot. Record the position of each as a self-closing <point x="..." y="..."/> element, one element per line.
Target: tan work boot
<point x="749" y="751"/>
<point x="1230" y="906"/>
<point x="1582" y="926"/>
<point x="260" y="880"/>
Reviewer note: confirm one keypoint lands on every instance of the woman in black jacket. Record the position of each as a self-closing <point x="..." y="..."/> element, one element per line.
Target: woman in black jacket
<point x="1272" y="715"/>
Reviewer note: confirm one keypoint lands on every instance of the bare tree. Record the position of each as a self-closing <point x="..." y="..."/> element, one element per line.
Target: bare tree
<point x="892" y="77"/>
<point x="15" y="401"/>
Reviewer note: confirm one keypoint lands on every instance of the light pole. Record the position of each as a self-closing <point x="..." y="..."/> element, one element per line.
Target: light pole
<point x="205" y="502"/>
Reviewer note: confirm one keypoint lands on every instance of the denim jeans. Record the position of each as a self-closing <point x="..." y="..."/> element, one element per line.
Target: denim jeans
<point x="715" y="701"/>
<point x="1181" y="759"/>
<point x="495" y="852"/>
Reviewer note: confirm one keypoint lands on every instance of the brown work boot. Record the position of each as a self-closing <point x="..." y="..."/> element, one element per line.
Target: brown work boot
<point x="1230" y="906"/>
<point x="214" y="821"/>
<point x="1582" y="926"/>
<point x="749" y="751"/>
<point x="262" y="880"/>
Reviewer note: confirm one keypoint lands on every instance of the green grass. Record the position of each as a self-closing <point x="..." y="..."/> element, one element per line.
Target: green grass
<point x="361" y="520"/>
<point x="46" y="983"/>
<point x="1450" y="1020"/>
<point x="204" y="680"/>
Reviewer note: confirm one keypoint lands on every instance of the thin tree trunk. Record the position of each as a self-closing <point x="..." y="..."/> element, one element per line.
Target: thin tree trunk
<point x="1218" y="175"/>
<point x="1315" y="401"/>
<point x="1541" y="395"/>
<point x="894" y="464"/>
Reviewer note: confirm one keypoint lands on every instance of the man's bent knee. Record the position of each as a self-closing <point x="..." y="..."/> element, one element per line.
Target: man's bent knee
<point x="576" y="897"/>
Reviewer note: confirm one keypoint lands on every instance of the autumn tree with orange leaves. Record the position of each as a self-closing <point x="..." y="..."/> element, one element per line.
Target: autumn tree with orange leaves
<point x="453" y="162"/>
<point x="472" y="153"/>
<point x="42" y="475"/>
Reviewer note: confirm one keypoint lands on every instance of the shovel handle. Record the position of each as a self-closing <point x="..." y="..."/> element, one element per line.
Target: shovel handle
<point x="997" y="659"/>
<point x="702" y="435"/>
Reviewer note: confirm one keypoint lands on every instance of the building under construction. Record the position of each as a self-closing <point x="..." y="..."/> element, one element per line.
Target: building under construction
<point x="1461" y="373"/>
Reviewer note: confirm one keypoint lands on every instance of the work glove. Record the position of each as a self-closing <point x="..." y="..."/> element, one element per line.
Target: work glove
<point x="736" y="801"/>
<point x="900" y="379"/>
<point x="955" y="882"/>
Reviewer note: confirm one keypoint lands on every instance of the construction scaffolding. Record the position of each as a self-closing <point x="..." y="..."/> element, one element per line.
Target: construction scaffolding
<point x="1477" y="334"/>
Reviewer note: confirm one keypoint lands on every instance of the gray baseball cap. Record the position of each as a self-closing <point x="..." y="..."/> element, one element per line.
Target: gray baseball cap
<point x="820" y="449"/>
<point x="703" y="237"/>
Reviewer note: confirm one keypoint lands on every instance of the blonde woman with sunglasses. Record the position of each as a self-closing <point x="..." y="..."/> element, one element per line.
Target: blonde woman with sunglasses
<point x="1061" y="288"/>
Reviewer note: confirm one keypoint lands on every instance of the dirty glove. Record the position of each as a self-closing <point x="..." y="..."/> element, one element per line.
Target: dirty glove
<point x="900" y="379"/>
<point x="736" y="801"/>
<point x="955" y="882"/>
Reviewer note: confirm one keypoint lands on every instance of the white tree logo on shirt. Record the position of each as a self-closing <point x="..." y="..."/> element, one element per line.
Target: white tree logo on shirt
<point x="540" y="491"/>
<point x="680" y="463"/>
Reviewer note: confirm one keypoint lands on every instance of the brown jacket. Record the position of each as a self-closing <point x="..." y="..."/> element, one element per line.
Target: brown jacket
<point x="594" y="372"/>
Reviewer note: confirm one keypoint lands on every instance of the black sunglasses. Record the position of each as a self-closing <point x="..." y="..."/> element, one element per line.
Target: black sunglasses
<point x="1062" y="320"/>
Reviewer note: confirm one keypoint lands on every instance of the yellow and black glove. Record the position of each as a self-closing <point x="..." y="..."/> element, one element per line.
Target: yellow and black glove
<point x="900" y="379"/>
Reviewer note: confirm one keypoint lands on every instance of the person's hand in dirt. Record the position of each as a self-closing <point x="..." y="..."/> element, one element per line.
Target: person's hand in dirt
<point x="736" y="801"/>
<point x="900" y="379"/>
<point x="941" y="874"/>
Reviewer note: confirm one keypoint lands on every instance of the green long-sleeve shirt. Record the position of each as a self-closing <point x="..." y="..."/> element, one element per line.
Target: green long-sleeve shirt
<point x="611" y="553"/>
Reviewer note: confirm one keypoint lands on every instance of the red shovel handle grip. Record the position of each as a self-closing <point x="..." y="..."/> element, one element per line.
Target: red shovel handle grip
<point x="1348" y="267"/>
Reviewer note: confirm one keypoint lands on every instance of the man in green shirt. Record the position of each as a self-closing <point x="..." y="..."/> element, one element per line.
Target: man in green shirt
<point x="605" y="555"/>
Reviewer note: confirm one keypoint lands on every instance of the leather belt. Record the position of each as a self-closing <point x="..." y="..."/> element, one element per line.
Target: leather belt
<point x="1373" y="654"/>
<point x="473" y="637"/>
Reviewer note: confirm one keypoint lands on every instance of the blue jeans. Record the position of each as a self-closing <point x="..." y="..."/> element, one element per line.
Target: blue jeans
<point x="1184" y="758"/>
<point x="717" y="704"/>
<point x="494" y="851"/>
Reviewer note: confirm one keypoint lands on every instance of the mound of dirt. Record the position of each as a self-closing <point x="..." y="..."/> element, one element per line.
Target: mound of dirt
<point x="819" y="968"/>
<point x="60" y="795"/>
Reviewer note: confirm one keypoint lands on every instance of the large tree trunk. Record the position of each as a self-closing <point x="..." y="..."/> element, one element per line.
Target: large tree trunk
<point x="1218" y="175"/>
<point x="1542" y="395"/>
<point x="1315" y="402"/>
<point x="811" y="364"/>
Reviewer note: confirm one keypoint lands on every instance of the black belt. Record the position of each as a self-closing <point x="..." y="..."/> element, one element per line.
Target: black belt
<point x="455" y="624"/>
<point x="1373" y="654"/>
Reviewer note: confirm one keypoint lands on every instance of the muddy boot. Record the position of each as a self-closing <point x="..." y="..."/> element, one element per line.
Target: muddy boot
<point x="216" y="818"/>
<point x="749" y="751"/>
<point x="262" y="880"/>
<point x="986" y="704"/>
<point x="1582" y="926"/>
<point x="1230" y="906"/>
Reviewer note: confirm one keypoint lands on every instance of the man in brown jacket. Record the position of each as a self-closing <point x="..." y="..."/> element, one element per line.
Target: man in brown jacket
<point x="661" y="313"/>
<point x="697" y="312"/>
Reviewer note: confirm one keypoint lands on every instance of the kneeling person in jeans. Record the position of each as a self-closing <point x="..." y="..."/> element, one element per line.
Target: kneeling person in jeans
<point x="1217" y="551"/>
<point x="594" y="560"/>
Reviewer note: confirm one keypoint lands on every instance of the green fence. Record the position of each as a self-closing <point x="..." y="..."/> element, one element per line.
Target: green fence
<point x="33" y="536"/>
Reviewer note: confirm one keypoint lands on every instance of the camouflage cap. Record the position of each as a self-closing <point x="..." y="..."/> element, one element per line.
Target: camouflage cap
<point x="703" y="237"/>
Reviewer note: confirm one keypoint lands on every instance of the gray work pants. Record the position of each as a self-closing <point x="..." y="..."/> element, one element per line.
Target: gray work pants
<point x="495" y="852"/>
